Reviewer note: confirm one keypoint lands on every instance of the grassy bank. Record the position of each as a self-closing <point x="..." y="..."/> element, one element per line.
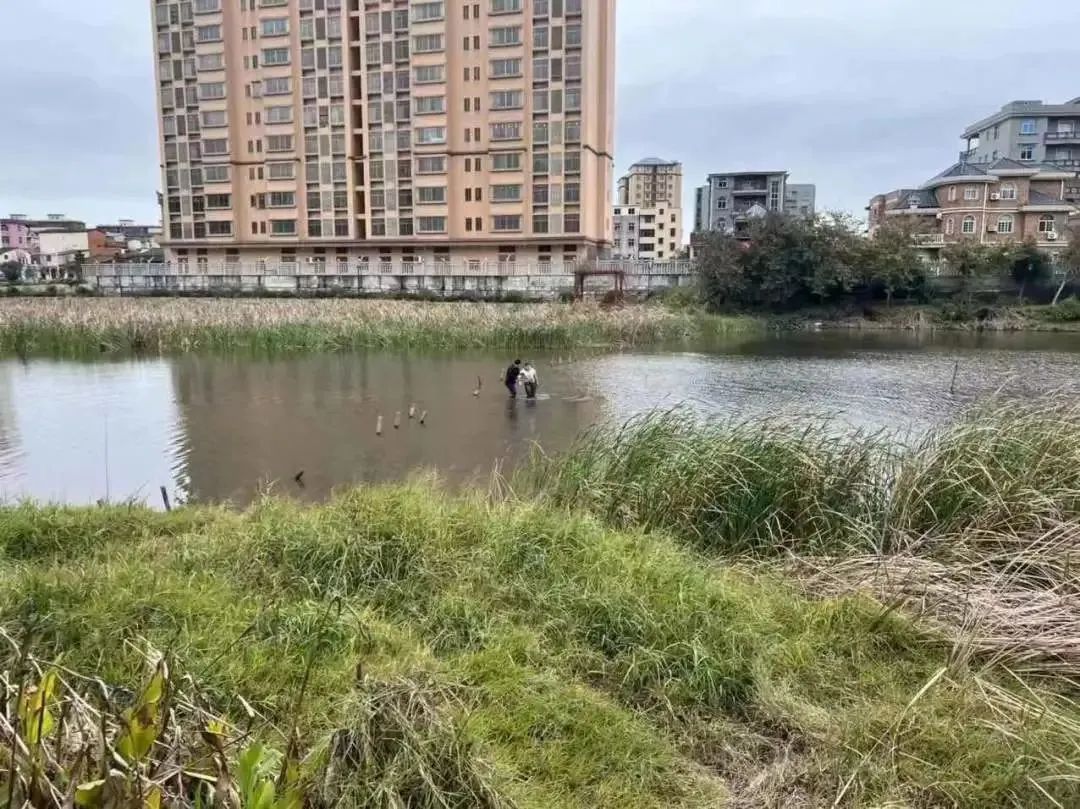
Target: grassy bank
<point x="1065" y="317"/>
<point x="171" y="325"/>
<point x="623" y="633"/>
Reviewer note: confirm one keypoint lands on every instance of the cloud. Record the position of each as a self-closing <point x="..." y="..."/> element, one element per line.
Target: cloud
<point x="856" y="97"/>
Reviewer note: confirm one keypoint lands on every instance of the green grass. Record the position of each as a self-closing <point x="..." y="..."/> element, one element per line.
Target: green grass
<point x="80" y="326"/>
<point x="767" y="488"/>
<point x="537" y="657"/>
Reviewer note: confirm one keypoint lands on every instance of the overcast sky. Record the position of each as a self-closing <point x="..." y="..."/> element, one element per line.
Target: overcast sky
<point x="857" y="96"/>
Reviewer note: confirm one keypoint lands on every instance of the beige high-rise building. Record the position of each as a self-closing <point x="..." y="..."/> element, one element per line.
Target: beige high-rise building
<point x="652" y="183"/>
<point x="385" y="130"/>
<point x="648" y="215"/>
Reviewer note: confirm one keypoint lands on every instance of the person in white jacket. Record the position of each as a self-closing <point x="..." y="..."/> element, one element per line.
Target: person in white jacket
<point x="531" y="380"/>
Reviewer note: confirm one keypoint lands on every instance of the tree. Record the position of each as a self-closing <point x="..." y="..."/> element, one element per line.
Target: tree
<point x="1069" y="260"/>
<point x="12" y="270"/>
<point x="720" y="272"/>
<point x="890" y="259"/>
<point x="970" y="261"/>
<point x="1027" y="265"/>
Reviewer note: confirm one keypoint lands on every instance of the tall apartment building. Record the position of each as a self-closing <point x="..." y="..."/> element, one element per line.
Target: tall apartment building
<point x="728" y="202"/>
<point x="648" y="220"/>
<point x="652" y="182"/>
<point x="1029" y="132"/>
<point x="386" y="130"/>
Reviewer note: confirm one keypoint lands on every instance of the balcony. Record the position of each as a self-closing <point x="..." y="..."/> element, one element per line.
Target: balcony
<point x="1069" y="163"/>
<point x="929" y="240"/>
<point x="1062" y="137"/>
<point x="750" y="188"/>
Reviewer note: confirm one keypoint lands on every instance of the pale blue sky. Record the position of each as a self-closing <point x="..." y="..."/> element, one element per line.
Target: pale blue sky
<point x="856" y="96"/>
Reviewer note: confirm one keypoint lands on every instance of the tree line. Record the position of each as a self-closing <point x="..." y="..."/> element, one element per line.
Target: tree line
<point x="785" y="263"/>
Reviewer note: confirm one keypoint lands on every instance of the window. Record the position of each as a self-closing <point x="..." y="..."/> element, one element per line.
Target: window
<point x="950" y="226"/>
<point x="218" y="202"/>
<point x="540" y="132"/>
<point x="573" y="162"/>
<point x="430" y="134"/>
<point x="275" y="56"/>
<point x="1027" y="151"/>
<point x="952" y="193"/>
<point x="506" y="223"/>
<point x="431" y="224"/>
<point x="208" y="33"/>
<point x="505" y="6"/>
<point x="573" y="98"/>
<point x="968" y="226"/>
<point x="279" y="115"/>
<point x="1047" y="224"/>
<point x="427" y="43"/>
<point x="540" y="68"/>
<point x="506" y="193"/>
<point x="573" y="131"/>
<point x="1008" y="191"/>
<point x="503" y="68"/>
<point x="218" y="146"/>
<point x="541" y="163"/>
<point x="573" y="35"/>
<point x="540" y="224"/>
<point x="210" y="61"/>
<point x="1029" y="126"/>
<point x="213" y="118"/>
<point x="277" y="27"/>
<point x="281" y="171"/>
<point x="212" y="91"/>
<point x="207" y="6"/>
<point x="430" y="74"/>
<point x="540" y="37"/>
<point x="506" y="162"/>
<point x="431" y="165"/>
<point x="431" y="195"/>
<point x="1005" y="224"/>
<point x="427" y="11"/>
<point x="282" y="199"/>
<point x="971" y="192"/>
<point x="507" y="100"/>
<point x="426" y="105"/>
<point x="219" y="228"/>
<point x="279" y="143"/>
<point x="540" y="100"/>
<point x="283" y="227"/>
<point x="277" y="87"/>
<point x="572" y="223"/>
<point x="509" y="130"/>
<point x="505" y="36"/>
<point x="216" y="174"/>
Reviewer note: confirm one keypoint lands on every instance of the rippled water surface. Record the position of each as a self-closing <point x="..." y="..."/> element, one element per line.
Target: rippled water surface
<point x="219" y="428"/>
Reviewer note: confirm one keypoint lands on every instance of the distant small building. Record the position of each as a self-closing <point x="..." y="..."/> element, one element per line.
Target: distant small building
<point x="646" y="234"/>
<point x="728" y="202"/>
<point x="18" y="254"/>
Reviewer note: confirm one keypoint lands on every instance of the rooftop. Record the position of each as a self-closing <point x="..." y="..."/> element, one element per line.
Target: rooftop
<point x="1023" y="109"/>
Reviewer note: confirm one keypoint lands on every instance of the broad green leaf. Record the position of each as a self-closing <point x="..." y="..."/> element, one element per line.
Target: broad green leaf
<point x="264" y="796"/>
<point x="153" y="799"/>
<point x="88" y="795"/>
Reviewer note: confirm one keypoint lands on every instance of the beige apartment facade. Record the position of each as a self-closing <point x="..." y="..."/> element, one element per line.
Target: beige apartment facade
<point x="648" y="221"/>
<point x="385" y="130"/>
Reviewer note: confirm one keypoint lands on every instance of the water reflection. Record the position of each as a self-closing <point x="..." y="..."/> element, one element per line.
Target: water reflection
<point x="214" y="428"/>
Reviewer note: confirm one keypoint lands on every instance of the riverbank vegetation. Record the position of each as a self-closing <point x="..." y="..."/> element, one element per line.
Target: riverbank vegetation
<point x="791" y="264"/>
<point x="93" y="325"/>
<point x="670" y="615"/>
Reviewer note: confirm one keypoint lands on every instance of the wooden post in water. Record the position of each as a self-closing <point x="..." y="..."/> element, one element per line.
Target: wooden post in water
<point x="378" y="425"/>
<point x="423" y="418"/>
<point x="165" y="499"/>
<point x="397" y="420"/>
<point x="955" y="371"/>
<point x="412" y="411"/>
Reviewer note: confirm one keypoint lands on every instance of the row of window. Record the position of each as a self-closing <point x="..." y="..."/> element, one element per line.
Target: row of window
<point x="1005" y="224"/>
<point x="541" y="224"/>
<point x="555" y="38"/>
<point x="1006" y="191"/>
<point x="542" y="194"/>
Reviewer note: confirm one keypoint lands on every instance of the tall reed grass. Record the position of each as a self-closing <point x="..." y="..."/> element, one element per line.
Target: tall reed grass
<point x="81" y="325"/>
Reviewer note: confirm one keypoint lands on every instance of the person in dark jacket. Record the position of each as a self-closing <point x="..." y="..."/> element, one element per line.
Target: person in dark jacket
<point x="511" y="379"/>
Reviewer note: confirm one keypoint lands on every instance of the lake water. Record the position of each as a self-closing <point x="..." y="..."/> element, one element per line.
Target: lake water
<point x="219" y="428"/>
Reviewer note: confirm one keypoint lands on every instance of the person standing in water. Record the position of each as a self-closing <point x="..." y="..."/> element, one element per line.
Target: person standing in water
<point x="531" y="380"/>
<point x="513" y="373"/>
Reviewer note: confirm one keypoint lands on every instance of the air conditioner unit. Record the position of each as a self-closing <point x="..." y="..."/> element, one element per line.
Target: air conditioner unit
<point x="1051" y="236"/>
<point x="995" y="197"/>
